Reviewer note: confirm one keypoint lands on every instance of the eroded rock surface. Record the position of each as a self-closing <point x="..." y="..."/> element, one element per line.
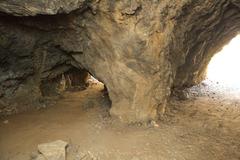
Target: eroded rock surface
<point x="204" y="29"/>
<point x="53" y="150"/>
<point x="36" y="7"/>
<point x="139" y="49"/>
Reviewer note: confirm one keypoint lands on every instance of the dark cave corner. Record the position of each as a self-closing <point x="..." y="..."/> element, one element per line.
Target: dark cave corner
<point x="74" y="80"/>
<point x="50" y="91"/>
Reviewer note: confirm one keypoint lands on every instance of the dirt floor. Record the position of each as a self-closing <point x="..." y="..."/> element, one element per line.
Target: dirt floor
<point x="205" y="126"/>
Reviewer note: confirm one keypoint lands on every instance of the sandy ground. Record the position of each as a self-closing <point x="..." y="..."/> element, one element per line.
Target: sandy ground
<point x="206" y="126"/>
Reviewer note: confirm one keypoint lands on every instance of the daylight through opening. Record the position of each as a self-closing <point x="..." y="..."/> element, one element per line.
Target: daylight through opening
<point x="224" y="66"/>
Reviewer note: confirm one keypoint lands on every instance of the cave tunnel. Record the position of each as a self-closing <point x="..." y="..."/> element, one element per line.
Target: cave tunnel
<point x="130" y="80"/>
<point x="74" y="80"/>
<point x="220" y="78"/>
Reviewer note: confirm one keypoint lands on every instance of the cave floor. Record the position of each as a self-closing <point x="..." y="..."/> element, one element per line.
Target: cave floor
<point x="204" y="127"/>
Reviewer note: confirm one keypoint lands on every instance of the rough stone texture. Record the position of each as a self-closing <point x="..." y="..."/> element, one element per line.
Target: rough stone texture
<point x="35" y="7"/>
<point x="73" y="78"/>
<point x="28" y="57"/>
<point x="139" y="49"/>
<point x="53" y="150"/>
<point x="205" y="28"/>
<point x="76" y="77"/>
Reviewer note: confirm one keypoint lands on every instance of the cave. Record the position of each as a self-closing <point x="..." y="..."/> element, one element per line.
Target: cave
<point x="100" y="72"/>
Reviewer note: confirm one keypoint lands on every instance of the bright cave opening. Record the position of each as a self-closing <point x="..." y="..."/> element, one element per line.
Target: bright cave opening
<point x="224" y="66"/>
<point x="223" y="70"/>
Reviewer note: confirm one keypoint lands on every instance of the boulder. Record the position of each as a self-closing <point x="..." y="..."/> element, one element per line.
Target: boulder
<point x="53" y="150"/>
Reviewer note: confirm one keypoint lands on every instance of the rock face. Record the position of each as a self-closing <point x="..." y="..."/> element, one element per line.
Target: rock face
<point x="139" y="49"/>
<point x="205" y="28"/>
<point x="36" y="7"/>
<point x="52" y="151"/>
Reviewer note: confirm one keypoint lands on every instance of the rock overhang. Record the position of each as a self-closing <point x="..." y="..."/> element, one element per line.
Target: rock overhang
<point x="139" y="55"/>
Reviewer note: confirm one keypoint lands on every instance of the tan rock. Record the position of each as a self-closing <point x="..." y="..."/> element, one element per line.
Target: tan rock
<point x="53" y="150"/>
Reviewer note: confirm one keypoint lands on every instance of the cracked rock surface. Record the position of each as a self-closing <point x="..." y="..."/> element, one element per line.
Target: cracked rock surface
<point x="36" y="7"/>
<point x="141" y="50"/>
<point x="52" y="151"/>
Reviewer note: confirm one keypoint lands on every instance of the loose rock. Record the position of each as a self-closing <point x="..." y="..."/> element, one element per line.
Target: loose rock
<point x="53" y="150"/>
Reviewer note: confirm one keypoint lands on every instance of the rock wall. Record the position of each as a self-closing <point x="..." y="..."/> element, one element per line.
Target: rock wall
<point x="139" y="49"/>
<point x="203" y="30"/>
<point x="28" y="57"/>
<point x="37" y="7"/>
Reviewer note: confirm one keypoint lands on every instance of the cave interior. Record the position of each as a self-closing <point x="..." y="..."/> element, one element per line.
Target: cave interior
<point x="135" y="63"/>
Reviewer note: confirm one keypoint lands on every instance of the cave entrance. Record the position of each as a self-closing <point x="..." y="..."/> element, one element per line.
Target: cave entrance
<point x="73" y="80"/>
<point x="223" y="69"/>
<point x="80" y="79"/>
<point x="76" y="90"/>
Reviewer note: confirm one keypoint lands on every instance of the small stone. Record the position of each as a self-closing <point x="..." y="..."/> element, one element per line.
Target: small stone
<point x="34" y="155"/>
<point x="154" y="124"/>
<point x="39" y="157"/>
<point x="5" y="121"/>
<point x="54" y="150"/>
